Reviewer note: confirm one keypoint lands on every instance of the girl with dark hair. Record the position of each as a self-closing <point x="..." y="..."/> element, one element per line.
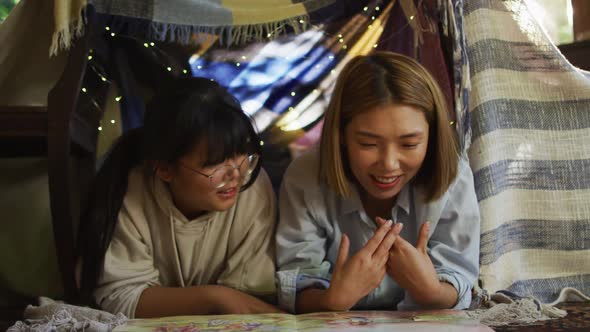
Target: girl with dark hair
<point x="181" y="218"/>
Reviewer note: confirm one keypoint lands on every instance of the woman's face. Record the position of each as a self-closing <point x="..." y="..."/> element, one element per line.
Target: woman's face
<point x="194" y="193"/>
<point x="386" y="147"/>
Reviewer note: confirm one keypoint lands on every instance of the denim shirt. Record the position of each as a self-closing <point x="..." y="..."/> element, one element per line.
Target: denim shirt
<point x="312" y="219"/>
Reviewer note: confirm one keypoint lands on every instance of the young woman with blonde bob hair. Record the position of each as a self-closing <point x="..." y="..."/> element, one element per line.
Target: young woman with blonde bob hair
<point x="386" y="185"/>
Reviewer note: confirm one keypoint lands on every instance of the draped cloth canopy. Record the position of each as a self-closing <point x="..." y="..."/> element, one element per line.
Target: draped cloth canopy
<point x="31" y="31"/>
<point x="524" y="127"/>
<point x="28" y="73"/>
<point x="180" y="20"/>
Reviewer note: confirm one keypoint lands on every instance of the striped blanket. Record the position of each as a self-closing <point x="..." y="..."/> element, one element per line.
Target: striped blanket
<point x="530" y="153"/>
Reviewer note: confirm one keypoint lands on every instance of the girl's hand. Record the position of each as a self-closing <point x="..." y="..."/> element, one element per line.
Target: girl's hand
<point x="412" y="268"/>
<point x="231" y="301"/>
<point x="354" y="278"/>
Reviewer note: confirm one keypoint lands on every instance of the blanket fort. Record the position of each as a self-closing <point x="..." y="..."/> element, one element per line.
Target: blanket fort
<point x="356" y="321"/>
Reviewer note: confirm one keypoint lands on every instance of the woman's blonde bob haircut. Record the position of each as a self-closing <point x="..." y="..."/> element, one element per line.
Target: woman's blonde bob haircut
<point x="379" y="79"/>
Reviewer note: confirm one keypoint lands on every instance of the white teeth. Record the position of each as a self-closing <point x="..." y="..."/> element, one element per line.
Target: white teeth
<point x="386" y="179"/>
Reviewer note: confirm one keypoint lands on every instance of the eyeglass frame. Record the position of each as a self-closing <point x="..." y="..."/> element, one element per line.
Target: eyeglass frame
<point x="233" y="168"/>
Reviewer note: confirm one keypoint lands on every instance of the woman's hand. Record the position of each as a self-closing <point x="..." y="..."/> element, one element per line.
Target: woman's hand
<point x="355" y="277"/>
<point x="231" y="301"/>
<point x="412" y="269"/>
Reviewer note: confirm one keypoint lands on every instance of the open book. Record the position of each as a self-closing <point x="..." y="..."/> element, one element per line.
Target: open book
<point x="439" y="321"/>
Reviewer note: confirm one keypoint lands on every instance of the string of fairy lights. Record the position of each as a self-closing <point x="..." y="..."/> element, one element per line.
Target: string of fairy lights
<point x="102" y="76"/>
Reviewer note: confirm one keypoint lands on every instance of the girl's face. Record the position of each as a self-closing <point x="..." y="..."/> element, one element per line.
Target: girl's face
<point x="194" y="193"/>
<point x="386" y="147"/>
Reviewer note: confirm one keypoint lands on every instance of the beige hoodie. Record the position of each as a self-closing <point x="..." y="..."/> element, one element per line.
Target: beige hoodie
<point x="154" y="244"/>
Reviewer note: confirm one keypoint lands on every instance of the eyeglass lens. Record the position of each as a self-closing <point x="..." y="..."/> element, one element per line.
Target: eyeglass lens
<point x="224" y="174"/>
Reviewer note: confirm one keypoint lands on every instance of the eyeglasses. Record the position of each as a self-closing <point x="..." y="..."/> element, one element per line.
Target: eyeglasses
<point x="222" y="175"/>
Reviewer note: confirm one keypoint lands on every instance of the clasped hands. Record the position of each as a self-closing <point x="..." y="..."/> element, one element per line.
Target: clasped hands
<point x="386" y="252"/>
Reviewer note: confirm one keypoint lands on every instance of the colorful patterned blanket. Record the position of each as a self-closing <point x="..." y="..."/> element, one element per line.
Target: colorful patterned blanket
<point x="232" y="21"/>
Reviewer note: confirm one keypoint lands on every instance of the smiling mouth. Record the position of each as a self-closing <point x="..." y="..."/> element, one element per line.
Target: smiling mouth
<point x="386" y="182"/>
<point x="228" y="193"/>
<point x="386" y="179"/>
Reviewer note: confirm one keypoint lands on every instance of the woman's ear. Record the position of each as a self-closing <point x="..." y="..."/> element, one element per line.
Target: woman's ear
<point x="163" y="170"/>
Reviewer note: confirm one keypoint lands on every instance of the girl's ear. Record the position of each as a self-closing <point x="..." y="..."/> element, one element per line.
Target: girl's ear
<point x="164" y="171"/>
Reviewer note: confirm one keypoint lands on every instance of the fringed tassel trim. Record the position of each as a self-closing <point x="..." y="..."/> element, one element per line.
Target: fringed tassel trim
<point x="73" y="28"/>
<point x="228" y="35"/>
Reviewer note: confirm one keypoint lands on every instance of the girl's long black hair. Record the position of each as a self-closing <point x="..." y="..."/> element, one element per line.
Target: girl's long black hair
<point x="188" y="111"/>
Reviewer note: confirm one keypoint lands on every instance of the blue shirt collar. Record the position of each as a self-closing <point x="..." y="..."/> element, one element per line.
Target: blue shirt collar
<point x="354" y="204"/>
